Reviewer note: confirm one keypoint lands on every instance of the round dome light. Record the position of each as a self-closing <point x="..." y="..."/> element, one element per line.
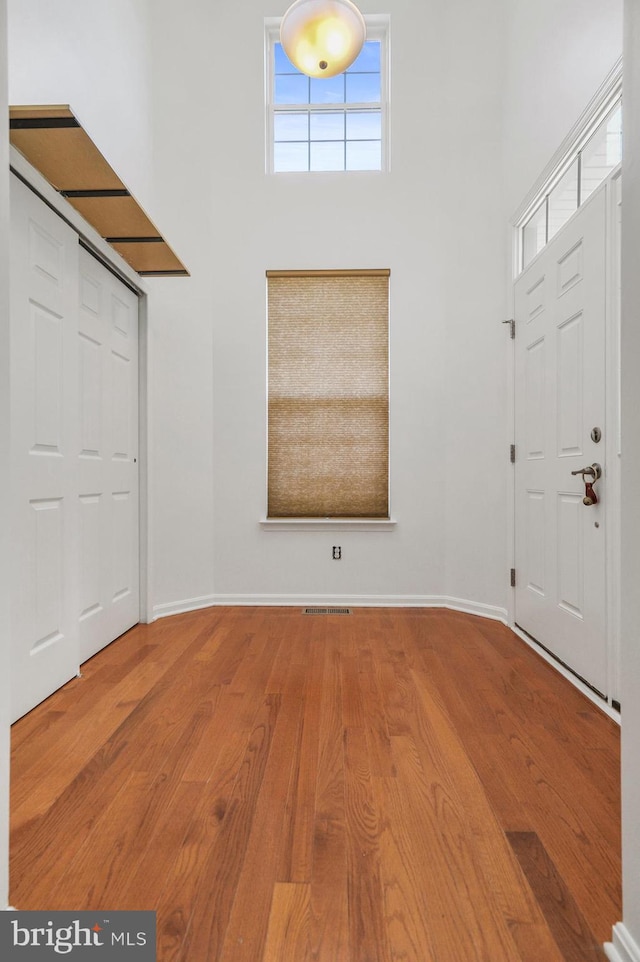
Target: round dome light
<point x="322" y="37"/>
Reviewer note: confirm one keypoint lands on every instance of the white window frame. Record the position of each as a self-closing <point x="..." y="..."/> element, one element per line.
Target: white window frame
<point x="378" y="28"/>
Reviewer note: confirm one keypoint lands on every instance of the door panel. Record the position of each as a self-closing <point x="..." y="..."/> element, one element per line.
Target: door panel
<point x="560" y="396"/>
<point x="107" y="463"/>
<point x="74" y="423"/>
<point x="44" y="271"/>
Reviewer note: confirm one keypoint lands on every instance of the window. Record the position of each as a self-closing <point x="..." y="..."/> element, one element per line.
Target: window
<point x="597" y="152"/>
<point x="328" y="392"/>
<point x="338" y="123"/>
<point x="602" y="153"/>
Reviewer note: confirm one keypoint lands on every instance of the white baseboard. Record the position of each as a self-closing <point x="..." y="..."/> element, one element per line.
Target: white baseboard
<point x="624" y="948"/>
<point x="180" y="607"/>
<point x="472" y="608"/>
<point x="347" y="601"/>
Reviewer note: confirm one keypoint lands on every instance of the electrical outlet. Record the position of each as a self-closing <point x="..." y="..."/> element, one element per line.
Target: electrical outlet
<point x="337" y="552"/>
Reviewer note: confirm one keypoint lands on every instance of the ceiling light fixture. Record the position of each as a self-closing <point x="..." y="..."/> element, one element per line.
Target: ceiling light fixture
<point x="322" y="37"/>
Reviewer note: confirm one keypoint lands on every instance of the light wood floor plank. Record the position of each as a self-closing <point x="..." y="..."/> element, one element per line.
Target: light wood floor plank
<point x="329" y="912"/>
<point x="288" y="935"/>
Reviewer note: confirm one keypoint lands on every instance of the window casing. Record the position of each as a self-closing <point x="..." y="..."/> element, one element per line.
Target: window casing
<point x="328" y="394"/>
<point x="333" y="124"/>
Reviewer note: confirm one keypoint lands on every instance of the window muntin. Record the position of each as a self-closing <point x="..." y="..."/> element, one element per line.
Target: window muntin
<point x="333" y="124"/>
<point x="534" y="233"/>
<point x="602" y="153"/>
<point x="563" y="200"/>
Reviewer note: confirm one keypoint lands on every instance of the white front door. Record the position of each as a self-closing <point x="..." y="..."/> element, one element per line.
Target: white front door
<point x="44" y="429"/>
<point x="107" y="457"/>
<point x="560" y="543"/>
<point x="74" y="423"/>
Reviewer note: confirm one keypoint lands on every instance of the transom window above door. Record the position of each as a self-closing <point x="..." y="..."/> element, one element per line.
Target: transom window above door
<point x="333" y="124"/>
<point x="596" y="152"/>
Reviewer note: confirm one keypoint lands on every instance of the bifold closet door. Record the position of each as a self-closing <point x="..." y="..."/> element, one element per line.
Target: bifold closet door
<point x="44" y="426"/>
<point x="74" y="418"/>
<point x="107" y="466"/>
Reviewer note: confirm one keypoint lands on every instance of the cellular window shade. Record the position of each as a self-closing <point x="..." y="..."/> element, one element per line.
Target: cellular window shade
<point x="328" y="395"/>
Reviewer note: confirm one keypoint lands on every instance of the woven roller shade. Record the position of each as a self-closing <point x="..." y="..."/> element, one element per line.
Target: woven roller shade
<point x="328" y="395"/>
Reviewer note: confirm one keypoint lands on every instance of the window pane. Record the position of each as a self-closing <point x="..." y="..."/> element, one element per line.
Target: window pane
<point x="329" y="91"/>
<point x="327" y="126"/>
<point x="563" y="200"/>
<point x="327" y="156"/>
<point x="291" y="127"/>
<point x="281" y="61"/>
<point x="307" y="112"/>
<point x="602" y="153"/>
<point x="368" y="58"/>
<point x="365" y="125"/>
<point x="363" y="88"/>
<point x="364" y="155"/>
<point x="289" y="157"/>
<point x="291" y="89"/>
<point x="534" y="234"/>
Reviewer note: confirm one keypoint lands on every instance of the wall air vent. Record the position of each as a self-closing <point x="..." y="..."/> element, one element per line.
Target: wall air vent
<point x="326" y="611"/>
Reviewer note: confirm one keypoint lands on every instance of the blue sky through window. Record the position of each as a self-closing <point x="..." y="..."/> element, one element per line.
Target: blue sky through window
<point x="320" y="138"/>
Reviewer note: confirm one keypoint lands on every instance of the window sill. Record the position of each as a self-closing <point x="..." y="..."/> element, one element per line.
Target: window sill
<point x="326" y="524"/>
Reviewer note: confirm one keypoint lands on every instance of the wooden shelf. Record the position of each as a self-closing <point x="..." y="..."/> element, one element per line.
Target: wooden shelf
<point x="51" y="138"/>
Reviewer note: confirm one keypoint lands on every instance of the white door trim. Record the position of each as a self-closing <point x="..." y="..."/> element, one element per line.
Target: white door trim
<point x="115" y="263"/>
<point x="613" y="439"/>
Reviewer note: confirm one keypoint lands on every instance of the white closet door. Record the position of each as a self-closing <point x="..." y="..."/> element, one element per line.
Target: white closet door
<point x="74" y="422"/>
<point x="107" y="467"/>
<point x="44" y="364"/>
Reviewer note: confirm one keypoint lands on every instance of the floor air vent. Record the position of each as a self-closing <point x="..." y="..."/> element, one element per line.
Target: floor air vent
<point x="326" y="611"/>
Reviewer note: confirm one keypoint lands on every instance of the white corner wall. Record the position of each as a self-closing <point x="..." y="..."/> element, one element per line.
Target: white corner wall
<point x="4" y="474"/>
<point x="181" y="116"/>
<point x="473" y="407"/>
<point x="435" y="221"/>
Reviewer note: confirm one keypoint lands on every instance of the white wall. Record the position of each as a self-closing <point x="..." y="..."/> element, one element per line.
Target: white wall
<point x="4" y="478"/>
<point x="435" y="220"/>
<point x="93" y="56"/>
<point x="557" y="55"/>
<point x="184" y="44"/>
<point x="475" y="390"/>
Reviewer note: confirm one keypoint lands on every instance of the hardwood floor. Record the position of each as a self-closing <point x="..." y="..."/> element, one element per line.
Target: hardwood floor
<point x="405" y="785"/>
